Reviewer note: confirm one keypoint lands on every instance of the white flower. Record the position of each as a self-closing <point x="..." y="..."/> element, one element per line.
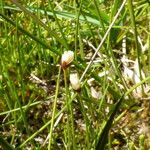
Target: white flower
<point x="1" y="77"/>
<point x="66" y="59"/>
<point x="95" y="94"/>
<point x="75" y="82"/>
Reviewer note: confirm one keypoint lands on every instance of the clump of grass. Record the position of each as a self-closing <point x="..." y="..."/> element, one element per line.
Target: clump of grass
<point x="39" y="107"/>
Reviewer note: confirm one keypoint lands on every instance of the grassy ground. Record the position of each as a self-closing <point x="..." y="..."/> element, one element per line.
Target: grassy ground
<point x="39" y="109"/>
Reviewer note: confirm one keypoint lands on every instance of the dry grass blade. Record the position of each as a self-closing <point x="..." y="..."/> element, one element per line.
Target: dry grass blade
<point x="103" y="40"/>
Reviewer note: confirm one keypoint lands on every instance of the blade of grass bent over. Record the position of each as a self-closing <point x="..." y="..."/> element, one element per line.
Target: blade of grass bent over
<point x="63" y="14"/>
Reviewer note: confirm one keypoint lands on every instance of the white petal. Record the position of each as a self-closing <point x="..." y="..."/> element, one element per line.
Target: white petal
<point x="75" y="82"/>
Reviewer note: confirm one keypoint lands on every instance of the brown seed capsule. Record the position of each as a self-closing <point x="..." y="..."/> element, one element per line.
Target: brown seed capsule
<point x="66" y="59"/>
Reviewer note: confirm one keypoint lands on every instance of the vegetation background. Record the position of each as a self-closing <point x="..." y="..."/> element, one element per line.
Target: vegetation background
<point x="111" y="43"/>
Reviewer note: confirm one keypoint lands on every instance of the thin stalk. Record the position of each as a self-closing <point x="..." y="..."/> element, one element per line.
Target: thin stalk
<point x="96" y="3"/>
<point x="89" y="28"/>
<point x="103" y="138"/>
<point x="59" y="25"/>
<point x="141" y="142"/>
<point x="68" y="110"/>
<point x="111" y="53"/>
<point x="37" y="20"/>
<point x="116" y="67"/>
<point x="13" y="92"/>
<point x="46" y="124"/>
<point x="23" y="107"/>
<point x="15" y="97"/>
<point x="70" y="120"/>
<point x="5" y="144"/>
<point x="86" y="121"/>
<point x="131" y="10"/>
<point x="77" y="12"/>
<point x="149" y="38"/>
<point x="54" y="110"/>
<point x="109" y="140"/>
<point x="39" y="41"/>
<point x="22" y="84"/>
<point x="102" y="41"/>
<point x="65" y="107"/>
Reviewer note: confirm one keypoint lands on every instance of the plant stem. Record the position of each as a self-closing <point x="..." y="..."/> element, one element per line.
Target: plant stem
<point x="54" y="110"/>
<point x="131" y="9"/>
<point x="70" y="120"/>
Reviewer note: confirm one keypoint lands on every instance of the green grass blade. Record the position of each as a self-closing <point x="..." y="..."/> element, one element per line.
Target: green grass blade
<point x="104" y="134"/>
<point x="138" y="51"/>
<point x="29" y="34"/>
<point x="35" y="18"/>
<point x="5" y="145"/>
<point x="65" y="15"/>
<point x="54" y="110"/>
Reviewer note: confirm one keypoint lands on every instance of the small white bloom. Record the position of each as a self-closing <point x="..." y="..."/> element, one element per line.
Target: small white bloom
<point x="1" y="77"/>
<point x="67" y="58"/>
<point x="95" y="94"/>
<point x="75" y="82"/>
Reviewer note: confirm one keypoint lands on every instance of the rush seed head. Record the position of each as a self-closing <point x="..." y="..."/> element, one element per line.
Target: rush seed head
<point x="66" y="59"/>
<point x="75" y="82"/>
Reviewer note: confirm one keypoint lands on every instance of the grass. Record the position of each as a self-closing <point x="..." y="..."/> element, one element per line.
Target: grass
<point x="38" y="107"/>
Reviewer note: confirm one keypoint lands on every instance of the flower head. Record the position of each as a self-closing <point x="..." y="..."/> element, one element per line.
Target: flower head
<point x="66" y="59"/>
<point x="75" y="82"/>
